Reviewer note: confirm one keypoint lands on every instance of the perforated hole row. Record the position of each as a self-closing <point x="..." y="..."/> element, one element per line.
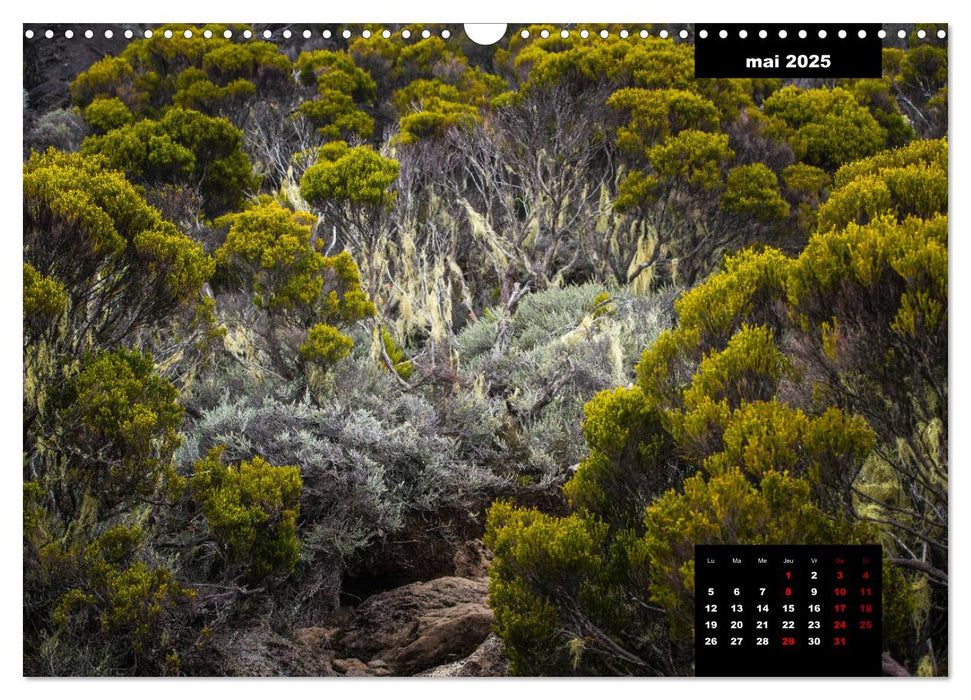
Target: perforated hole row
<point x="445" y="34"/>
<point x="802" y="34"/>
<point x="228" y="33"/>
<point x="604" y="34"/>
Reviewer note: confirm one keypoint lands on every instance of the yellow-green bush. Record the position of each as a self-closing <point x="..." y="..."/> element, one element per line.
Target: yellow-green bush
<point x="827" y="127"/>
<point x="268" y="250"/>
<point x="44" y="297"/>
<point x="251" y="510"/>
<point x="909" y="181"/>
<point x="659" y="114"/>
<point x="753" y="191"/>
<point x="156" y="72"/>
<point x="630" y="458"/>
<point x="548" y="581"/>
<point x="123" y="419"/>
<point x="183" y="146"/>
<point x="357" y="176"/>
<point x="107" y="113"/>
<point x="121" y="602"/>
<point x="325" y="345"/>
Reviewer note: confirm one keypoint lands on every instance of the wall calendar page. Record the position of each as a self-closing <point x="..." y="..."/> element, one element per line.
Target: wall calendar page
<point x="535" y="349"/>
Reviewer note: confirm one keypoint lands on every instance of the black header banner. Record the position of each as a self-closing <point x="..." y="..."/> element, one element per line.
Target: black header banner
<point x="788" y="51"/>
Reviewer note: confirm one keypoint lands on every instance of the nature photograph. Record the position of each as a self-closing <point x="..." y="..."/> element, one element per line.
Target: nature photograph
<point x="370" y="350"/>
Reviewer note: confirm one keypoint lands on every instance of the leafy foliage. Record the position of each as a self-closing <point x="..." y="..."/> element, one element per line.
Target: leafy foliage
<point x="826" y="128"/>
<point x="185" y="147"/>
<point x="251" y="509"/>
<point x="107" y="113"/>
<point x="122" y="603"/>
<point x="44" y="298"/>
<point x="350" y="176"/>
<point x="341" y="86"/>
<point x="194" y="72"/>
<point x="120" y="422"/>
<point x="268" y="253"/>
<point x="753" y="190"/>
<point x="910" y="181"/>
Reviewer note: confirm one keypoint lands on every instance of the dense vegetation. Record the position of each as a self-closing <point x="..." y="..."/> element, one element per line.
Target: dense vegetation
<point x="304" y="316"/>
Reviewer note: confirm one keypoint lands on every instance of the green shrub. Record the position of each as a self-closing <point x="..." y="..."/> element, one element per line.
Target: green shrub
<point x="336" y="116"/>
<point x="136" y="613"/>
<point x="748" y="369"/>
<point x="630" y="462"/>
<point x="909" y="181"/>
<point x="107" y="113"/>
<point x="184" y="147"/>
<point x="658" y="114"/>
<point x="251" y="509"/>
<point x="547" y="579"/>
<point x="358" y="177"/>
<point x="44" y="297"/>
<point x="119" y="423"/>
<point x="268" y="251"/>
<point x="753" y="191"/>
<point x="325" y="345"/>
<point x="827" y="128"/>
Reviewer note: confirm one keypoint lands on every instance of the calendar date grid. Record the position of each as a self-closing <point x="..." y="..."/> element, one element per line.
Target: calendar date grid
<point x="787" y="610"/>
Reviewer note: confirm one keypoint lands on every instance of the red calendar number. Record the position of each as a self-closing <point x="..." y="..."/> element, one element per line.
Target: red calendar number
<point x="839" y="641"/>
<point x="788" y="641"/>
<point x="839" y="624"/>
<point x="839" y="590"/>
<point x="866" y="607"/>
<point x="866" y="624"/>
<point x="866" y="591"/>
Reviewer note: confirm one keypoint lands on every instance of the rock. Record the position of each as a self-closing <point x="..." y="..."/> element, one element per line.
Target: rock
<point x="379" y="667"/>
<point x="488" y="660"/>
<point x="358" y="672"/>
<point x="472" y="560"/>
<point x="259" y="651"/>
<point x="314" y="637"/>
<point x="350" y="667"/>
<point x="419" y="626"/>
